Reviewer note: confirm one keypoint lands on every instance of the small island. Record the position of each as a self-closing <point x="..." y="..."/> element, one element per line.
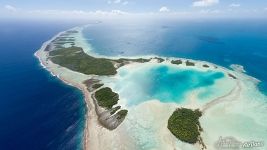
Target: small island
<point x="189" y="63"/>
<point x="206" y="66"/>
<point x="177" y="62"/>
<point x="105" y="99"/>
<point x="184" y="125"/>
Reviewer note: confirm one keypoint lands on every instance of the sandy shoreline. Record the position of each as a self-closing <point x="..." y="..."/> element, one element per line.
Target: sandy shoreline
<point x="93" y="131"/>
<point x="41" y="55"/>
<point x="98" y="138"/>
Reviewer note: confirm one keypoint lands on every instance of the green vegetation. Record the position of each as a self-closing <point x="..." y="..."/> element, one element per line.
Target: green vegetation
<point x="65" y="40"/>
<point x="114" y="110"/>
<point x="141" y="60"/>
<point x="72" y="31"/>
<point x="47" y="48"/>
<point x="106" y="97"/>
<point x="62" y="42"/>
<point x="65" y="34"/>
<point x="206" y="66"/>
<point x="75" y="59"/>
<point x="97" y="85"/>
<point x="232" y="76"/>
<point x="188" y="63"/>
<point x="160" y="60"/>
<point x="58" y="47"/>
<point x="122" y="114"/>
<point x="176" y="62"/>
<point x="184" y="125"/>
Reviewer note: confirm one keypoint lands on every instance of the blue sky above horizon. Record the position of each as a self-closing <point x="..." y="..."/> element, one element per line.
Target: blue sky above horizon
<point x="225" y="8"/>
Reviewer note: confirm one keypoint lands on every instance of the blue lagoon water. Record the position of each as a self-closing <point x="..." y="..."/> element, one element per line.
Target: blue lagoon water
<point x="223" y="42"/>
<point x="37" y="111"/>
<point x="165" y="83"/>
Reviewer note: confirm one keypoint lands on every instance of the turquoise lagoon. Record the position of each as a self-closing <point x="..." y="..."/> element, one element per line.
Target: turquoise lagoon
<point x="167" y="83"/>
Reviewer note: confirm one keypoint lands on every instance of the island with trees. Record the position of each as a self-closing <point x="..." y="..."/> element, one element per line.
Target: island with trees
<point x="184" y="125"/>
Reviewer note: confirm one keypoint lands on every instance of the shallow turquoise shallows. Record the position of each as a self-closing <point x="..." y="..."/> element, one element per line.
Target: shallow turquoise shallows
<point x="162" y="82"/>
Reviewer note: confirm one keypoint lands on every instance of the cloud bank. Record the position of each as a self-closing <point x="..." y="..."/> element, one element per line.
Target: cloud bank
<point x="118" y="2"/>
<point x="164" y="9"/>
<point x="10" y="11"/>
<point x="205" y="3"/>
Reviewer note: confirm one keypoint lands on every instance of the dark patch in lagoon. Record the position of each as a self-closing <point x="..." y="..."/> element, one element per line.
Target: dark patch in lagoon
<point x="165" y="27"/>
<point x="210" y="39"/>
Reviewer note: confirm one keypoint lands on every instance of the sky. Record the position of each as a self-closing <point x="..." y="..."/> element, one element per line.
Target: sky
<point x="113" y="8"/>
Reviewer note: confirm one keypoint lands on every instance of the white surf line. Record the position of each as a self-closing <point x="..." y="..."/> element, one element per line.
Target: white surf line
<point x="235" y="92"/>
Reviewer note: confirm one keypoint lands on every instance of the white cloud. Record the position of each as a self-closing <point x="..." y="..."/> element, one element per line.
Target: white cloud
<point x="205" y="3"/>
<point x="118" y="2"/>
<point x="234" y="5"/>
<point x="164" y="9"/>
<point x="10" y="8"/>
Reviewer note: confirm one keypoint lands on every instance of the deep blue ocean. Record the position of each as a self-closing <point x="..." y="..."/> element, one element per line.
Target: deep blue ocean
<point x="223" y="42"/>
<point x="37" y="111"/>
